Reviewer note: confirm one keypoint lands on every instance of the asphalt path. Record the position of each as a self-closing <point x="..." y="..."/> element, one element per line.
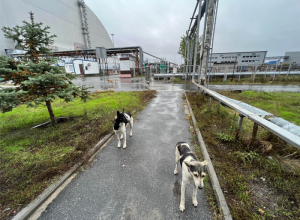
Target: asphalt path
<point x="136" y="182"/>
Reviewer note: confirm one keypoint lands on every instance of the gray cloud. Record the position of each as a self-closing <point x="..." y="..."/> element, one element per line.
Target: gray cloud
<point x="242" y="25"/>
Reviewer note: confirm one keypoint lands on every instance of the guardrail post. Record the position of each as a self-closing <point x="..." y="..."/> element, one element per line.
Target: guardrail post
<point x="238" y="130"/>
<point x="274" y="73"/>
<point x="265" y="78"/>
<point x="219" y="106"/>
<point x="240" y="74"/>
<point x="210" y="103"/>
<point x="254" y="133"/>
<point x="287" y="75"/>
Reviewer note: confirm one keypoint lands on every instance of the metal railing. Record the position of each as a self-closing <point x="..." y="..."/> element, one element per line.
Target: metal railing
<point x="257" y="119"/>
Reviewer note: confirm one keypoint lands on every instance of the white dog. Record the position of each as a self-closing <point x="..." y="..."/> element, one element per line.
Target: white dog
<point x="193" y="171"/>
<point x="120" y="122"/>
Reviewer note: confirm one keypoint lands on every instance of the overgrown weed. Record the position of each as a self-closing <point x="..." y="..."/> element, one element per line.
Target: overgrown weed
<point x="242" y="165"/>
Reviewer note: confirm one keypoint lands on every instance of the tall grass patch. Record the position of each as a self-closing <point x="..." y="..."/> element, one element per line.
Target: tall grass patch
<point x="257" y="184"/>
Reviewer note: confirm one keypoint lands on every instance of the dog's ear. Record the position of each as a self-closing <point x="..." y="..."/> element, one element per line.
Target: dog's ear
<point x="191" y="163"/>
<point x="118" y="113"/>
<point x="123" y="110"/>
<point x="204" y="163"/>
<point x="189" y="166"/>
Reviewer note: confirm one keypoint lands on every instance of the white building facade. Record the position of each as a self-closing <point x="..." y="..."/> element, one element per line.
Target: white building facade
<point x="62" y="16"/>
<point x="242" y="58"/>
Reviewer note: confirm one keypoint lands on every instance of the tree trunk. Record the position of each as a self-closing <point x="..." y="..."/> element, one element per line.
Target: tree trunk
<point x="52" y="117"/>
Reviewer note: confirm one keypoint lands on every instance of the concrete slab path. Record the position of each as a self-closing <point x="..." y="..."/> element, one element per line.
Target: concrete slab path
<point x="136" y="182"/>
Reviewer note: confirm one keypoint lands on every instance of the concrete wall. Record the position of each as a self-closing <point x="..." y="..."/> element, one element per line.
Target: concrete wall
<point x="293" y="57"/>
<point x="63" y="18"/>
<point x="89" y="66"/>
<point x="243" y="58"/>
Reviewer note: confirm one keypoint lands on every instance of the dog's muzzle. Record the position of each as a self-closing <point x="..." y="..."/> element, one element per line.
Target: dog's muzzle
<point x="200" y="187"/>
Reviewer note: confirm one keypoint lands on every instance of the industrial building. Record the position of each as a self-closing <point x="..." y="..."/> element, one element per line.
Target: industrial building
<point x="74" y="23"/>
<point x="241" y="58"/>
<point x="292" y="57"/>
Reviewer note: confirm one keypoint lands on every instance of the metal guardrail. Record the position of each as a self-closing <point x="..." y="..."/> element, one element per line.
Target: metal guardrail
<point x="229" y="74"/>
<point x="278" y="131"/>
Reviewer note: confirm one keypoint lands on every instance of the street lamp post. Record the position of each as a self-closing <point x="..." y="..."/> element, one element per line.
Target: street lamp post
<point x="112" y="36"/>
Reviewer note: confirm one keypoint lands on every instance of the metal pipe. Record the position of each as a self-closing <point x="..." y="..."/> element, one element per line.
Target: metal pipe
<point x="187" y="57"/>
<point x="83" y="23"/>
<point x="202" y="77"/>
<point x="213" y="36"/>
<point x="280" y="132"/>
<point x="212" y="31"/>
<point x="193" y="15"/>
<point x="226" y="74"/>
<point x="197" y="38"/>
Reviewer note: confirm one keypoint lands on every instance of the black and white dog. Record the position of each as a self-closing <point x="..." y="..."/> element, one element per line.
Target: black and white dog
<point x="193" y="171"/>
<point x="120" y="122"/>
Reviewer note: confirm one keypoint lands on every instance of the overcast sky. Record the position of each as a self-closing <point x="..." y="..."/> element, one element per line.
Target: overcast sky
<point x="242" y="25"/>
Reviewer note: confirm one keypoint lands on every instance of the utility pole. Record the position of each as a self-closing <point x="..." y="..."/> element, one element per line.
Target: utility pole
<point x="233" y="68"/>
<point x="112" y="36"/>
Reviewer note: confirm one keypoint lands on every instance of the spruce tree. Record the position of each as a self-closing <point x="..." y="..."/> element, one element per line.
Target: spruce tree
<point x="38" y="78"/>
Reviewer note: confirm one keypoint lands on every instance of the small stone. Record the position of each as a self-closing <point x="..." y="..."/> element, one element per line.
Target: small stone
<point x="5" y="210"/>
<point x="261" y="211"/>
<point x="123" y="166"/>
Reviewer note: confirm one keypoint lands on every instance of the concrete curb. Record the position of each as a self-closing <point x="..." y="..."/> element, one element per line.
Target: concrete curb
<point x="37" y="202"/>
<point x="212" y="174"/>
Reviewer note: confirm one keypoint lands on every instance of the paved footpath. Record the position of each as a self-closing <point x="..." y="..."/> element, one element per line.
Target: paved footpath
<point x="136" y="182"/>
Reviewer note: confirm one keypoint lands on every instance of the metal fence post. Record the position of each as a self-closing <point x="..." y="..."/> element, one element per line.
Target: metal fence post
<point x="219" y="102"/>
<point x="274" y="73"/>
<point x="287" y="75"/>
<point x="279" y="72"/>
<point x="266" y="69"/>
<point x="240" y="74"/>
<point x="196" y="40"/>
<point x="254" y="133"/>
<point x="240" y="124"/>
<point x="210" y="103"/>
<point x="188" y="59"/>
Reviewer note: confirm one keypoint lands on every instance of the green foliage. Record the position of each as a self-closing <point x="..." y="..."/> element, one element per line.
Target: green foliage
<point x="248" y="157"/>
<point x="182" y="52"/>
<point x="31" y="37"/>
<point x="38" y="78"/>
<point x="224" y="137"/>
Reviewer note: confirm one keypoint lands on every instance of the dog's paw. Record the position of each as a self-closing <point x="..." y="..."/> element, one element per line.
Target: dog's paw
<point x="119" y="145"/>
<point x="175" y="172"/>
<point x="182" y="208"/>
<point x="195" y="203"/>
<point x="124" y="146"/>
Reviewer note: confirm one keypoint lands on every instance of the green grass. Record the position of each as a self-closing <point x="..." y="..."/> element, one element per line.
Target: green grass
<point x="259" y="79"/>
<point x="241" y="164"/>
<point x="31" y="159"/>
<point x="283" y="104"/>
